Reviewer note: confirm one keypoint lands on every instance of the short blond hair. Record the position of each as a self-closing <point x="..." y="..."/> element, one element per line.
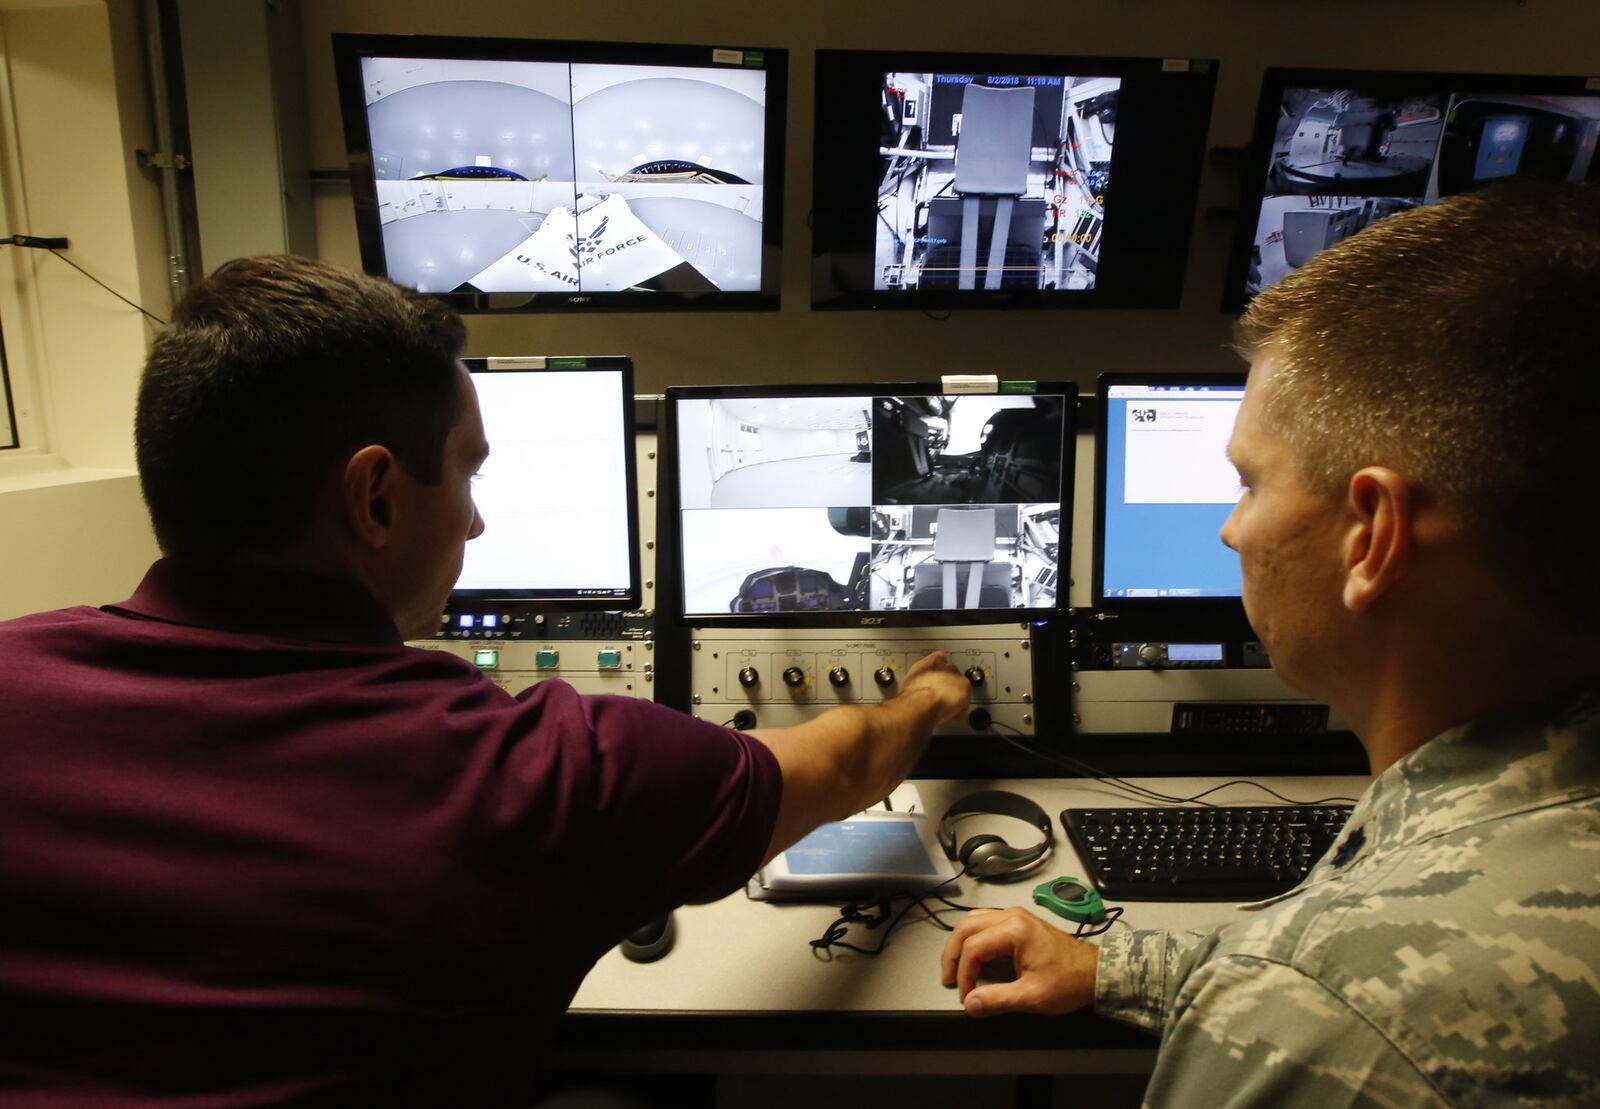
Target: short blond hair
<point x="1456" y="343"/>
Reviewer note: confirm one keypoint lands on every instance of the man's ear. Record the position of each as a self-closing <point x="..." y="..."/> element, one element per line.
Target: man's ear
<point x="1378" y="544"/>
<point x="368" y="495"/>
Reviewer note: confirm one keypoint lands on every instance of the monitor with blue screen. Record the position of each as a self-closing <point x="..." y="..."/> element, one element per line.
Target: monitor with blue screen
<point x="1164" y="488"/>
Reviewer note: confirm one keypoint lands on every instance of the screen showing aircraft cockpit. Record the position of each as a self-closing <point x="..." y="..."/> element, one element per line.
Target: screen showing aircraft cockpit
<point x="886" y="505"/>
<point x="556" y="492"/>
<point x="511" y="174"/>
<point x="1337" y="150"/>
<point x="1165" y="487"/>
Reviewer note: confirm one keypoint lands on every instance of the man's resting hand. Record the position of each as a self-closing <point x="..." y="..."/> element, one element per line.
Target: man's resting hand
<point x="1054" y="972"/>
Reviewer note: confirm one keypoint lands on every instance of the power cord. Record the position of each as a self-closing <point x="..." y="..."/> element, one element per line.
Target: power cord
<point x="54" y="245"/>
<point x="1144" y="793"/>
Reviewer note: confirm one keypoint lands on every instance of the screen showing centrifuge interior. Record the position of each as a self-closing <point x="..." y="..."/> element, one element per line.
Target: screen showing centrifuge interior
<point x="1343" y="158"/>
<point x="548" y="535"/>
<point x="993" y="181"/>
<point x="869" y="502"/>
<point x="554" y="177"/>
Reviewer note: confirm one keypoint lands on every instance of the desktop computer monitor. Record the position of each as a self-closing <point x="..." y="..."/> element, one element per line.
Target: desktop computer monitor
<point x="982" y="180"/>
<point x="1336" y="150"/>
<point x="867" y="505"/>
<point x="530" y="175"/>
<point x="561" y="523"/>
<point x="1164" y="487"/>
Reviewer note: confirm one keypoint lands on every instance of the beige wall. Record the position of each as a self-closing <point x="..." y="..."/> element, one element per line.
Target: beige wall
<point x="1548" y="36"/>
<point x="74" y="526"/>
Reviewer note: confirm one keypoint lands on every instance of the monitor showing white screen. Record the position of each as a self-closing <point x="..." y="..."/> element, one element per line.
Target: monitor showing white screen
<point x="889" y="504"/>
<point x="1165" y="489"/>
<point x="519" y="174"/>
<point x="557" y="491"/>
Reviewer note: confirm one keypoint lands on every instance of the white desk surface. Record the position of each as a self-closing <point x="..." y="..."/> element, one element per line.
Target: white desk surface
<point x="741" y="956"/>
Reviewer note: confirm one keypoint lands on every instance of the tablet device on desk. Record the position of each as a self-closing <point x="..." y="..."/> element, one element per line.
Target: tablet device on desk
<point x="874" y="852"/>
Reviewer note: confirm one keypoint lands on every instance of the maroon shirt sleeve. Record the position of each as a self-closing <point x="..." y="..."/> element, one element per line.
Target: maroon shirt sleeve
<point x="607" y="789"/>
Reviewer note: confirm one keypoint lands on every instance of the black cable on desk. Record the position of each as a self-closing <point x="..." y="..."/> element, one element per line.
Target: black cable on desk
<point x="1144" y="793"/>
<point x="875" y="912"/>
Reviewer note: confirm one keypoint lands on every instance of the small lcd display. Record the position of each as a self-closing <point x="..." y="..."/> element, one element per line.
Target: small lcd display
<point x="1194" y="652"/>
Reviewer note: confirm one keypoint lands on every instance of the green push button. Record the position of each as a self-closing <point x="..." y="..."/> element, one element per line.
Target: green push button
<point x="610" y="658"/>
<point x="548" y="658"/>
<point x="486" y="660"/>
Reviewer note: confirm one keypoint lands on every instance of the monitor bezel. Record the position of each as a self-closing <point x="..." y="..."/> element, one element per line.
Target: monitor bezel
<point x="567" y="600"/>
<point x="669" y="479"/>
<point x="1275" y="80"/>
<point x="1184" y="86"/>
<point x="350" y="49"/>
<point x="1225" y="609"/>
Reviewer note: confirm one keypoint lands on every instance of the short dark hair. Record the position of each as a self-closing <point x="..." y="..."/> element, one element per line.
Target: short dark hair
<point x="274" y="370"/>
<point x="1454" y="343"/>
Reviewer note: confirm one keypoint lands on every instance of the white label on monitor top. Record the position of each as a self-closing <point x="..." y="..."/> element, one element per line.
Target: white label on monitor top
<point x="1174" y="65"/>
<point x="728" y="57"/>
<point x="970" y="383"/>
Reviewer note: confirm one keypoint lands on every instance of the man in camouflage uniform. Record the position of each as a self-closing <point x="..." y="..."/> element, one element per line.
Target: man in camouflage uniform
<point x="1418" y="533"/>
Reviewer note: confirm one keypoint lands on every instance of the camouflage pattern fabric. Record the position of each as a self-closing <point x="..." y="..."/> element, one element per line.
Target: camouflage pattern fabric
<point x="1446" y="951"/>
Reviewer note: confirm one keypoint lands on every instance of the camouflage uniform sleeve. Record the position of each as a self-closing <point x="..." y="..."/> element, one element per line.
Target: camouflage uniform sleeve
<point x="1245" y="1031"/>
<point x="1139" y="974"/>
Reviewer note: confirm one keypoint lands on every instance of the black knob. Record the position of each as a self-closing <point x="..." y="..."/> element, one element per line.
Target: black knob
<point x="1151" y="655"/>
<point x="979" y="720"/>
<point x="744" y="720"/>
<point x="794" y="677"/>
<point x="884" y="676"/>
<point x="838" y="677"/>
<point x="749" y="677"/>
<point x="975" y="675"/>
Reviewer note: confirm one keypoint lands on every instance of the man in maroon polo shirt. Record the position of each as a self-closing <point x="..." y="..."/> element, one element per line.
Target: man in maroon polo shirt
<point x="253" y="848"/>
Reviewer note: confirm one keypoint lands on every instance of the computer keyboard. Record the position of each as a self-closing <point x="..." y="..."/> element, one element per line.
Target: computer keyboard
<point x="1228" y="853"/>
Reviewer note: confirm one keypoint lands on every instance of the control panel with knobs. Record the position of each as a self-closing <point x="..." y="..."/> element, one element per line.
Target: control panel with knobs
<point x="819" y="668"/>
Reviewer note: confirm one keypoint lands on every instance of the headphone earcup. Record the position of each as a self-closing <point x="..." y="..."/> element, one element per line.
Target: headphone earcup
<point x="984" y="854"/>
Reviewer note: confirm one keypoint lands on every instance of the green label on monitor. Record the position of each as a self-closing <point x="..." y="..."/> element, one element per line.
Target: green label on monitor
<point x="1019" y="386"/>
<point x="755" y="58"/>
<point x="570" y="363"/>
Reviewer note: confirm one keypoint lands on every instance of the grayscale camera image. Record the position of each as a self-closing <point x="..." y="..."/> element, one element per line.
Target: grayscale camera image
<point x="500" y="176"/>
<point x="977" y="449"/>
<point x="1341" y="141"/>
<point x="993" y="181"/>
<point x="953" y="557"/>
<point x="775" y="559"/>
<point x="1343" y="159"/>
<point x="1293" y="229"/>
<point x="775" y="452"/>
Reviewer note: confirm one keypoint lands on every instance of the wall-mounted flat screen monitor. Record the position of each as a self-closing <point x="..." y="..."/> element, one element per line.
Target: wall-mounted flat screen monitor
<point x="1163" y="488"/>
<point x="1337" y="150"/>
<point x="997" y="180"/>
<point x="561" y="522"/>
<point x="520" y="175"/>
<point x="868" y="504"/>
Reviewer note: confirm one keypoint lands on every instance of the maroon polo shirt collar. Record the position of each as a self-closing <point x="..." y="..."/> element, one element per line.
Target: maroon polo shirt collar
<point x="259" y="601"/>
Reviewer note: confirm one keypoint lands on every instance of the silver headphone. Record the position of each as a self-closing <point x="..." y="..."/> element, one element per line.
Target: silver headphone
<point x="990" y="856"/>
